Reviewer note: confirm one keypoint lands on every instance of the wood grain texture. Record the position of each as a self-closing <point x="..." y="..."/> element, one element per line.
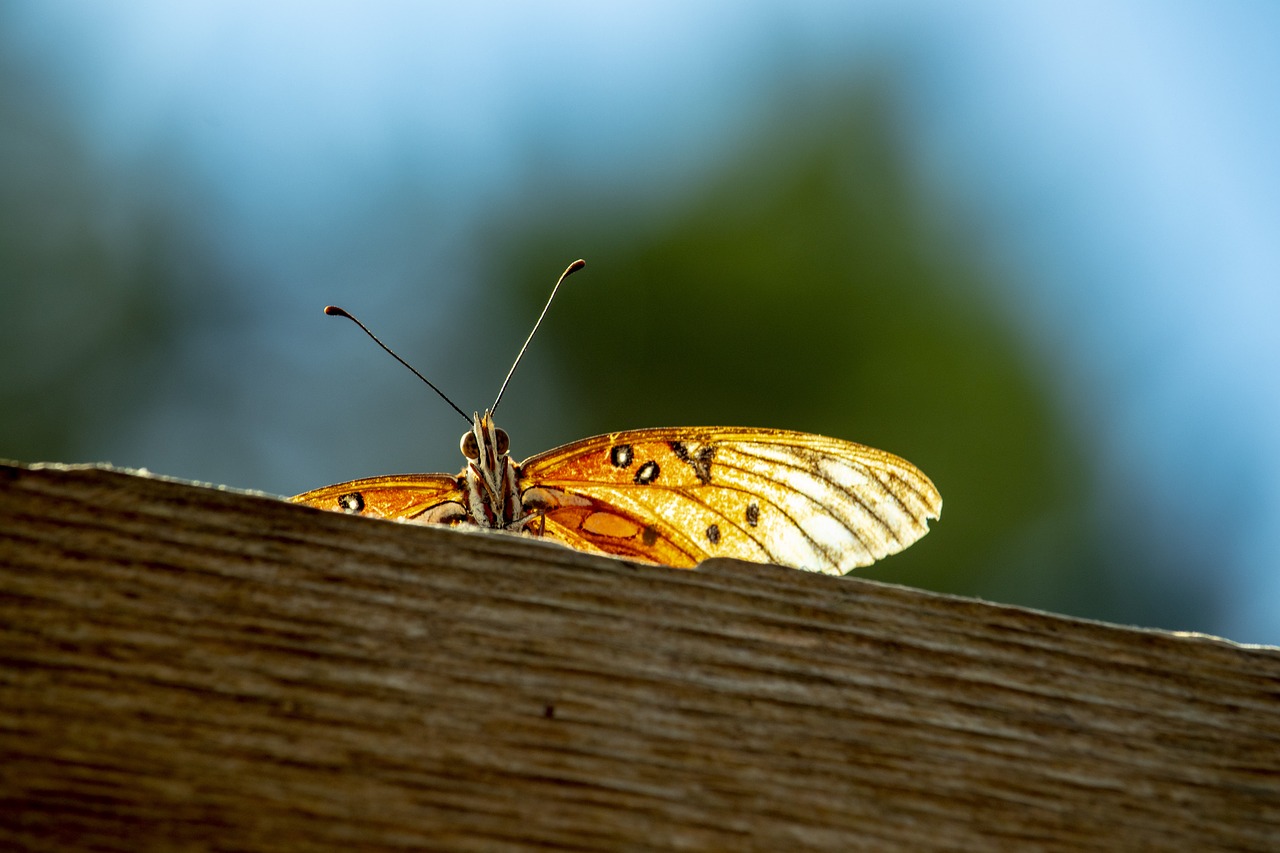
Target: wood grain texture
<point x="191" y="668"/>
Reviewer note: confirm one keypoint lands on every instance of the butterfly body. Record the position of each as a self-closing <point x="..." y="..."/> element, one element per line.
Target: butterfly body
<point x="673" y="496"/>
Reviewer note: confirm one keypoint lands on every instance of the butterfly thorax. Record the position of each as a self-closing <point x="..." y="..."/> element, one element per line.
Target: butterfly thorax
<point x="493" y="499"/>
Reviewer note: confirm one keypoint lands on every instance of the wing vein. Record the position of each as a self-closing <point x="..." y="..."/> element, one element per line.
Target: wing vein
<point x="834" y="486"/>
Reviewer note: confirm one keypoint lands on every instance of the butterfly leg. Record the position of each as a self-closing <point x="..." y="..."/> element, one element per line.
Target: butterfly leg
<point x="536" y="502"/>
<point x="525" y="523"/>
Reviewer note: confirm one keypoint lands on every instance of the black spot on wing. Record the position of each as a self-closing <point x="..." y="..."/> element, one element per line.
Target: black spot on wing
<point x="351" y="502"/>
<point x="648" y="472"/>
<point x="621" y="455"/>
<point x="713" y="534"/>
<point x="698" y="457"/>
<point x="753" y="513"/>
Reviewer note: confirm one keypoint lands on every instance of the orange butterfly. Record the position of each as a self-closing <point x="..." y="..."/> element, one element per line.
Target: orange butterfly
<point x="673" y="495"/>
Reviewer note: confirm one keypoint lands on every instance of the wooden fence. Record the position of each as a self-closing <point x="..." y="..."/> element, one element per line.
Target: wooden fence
<point x="192" y="668"/>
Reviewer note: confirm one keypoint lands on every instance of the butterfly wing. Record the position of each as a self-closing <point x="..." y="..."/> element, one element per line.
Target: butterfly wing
<point x="679" y="495"/>
<point x="436" y="498"/>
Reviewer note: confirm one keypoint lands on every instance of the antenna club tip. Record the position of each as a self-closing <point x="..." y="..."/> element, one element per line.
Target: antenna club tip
<point x="577" y="265"/>
<point x="335" y="311"/>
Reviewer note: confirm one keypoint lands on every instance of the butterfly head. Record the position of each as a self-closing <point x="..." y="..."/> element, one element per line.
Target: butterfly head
<point x="485" y="444"/>
<point x="486" y="448"/>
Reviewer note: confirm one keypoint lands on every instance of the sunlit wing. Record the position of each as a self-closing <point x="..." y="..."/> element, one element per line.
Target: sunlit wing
<point x="594" y="525"/>
<point x="411" y="497"/>
<point x="680" y="495"/>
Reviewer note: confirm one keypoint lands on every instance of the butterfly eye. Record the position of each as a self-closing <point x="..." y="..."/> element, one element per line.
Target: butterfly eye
<point x="503" y="442"/>
<point x="470" y="448"/>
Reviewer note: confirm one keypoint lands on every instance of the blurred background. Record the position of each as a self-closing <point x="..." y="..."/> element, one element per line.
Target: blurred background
<point x="1033" y="248"/>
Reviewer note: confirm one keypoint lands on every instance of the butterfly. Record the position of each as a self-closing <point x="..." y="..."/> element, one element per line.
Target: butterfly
<point x="673" y="496"/>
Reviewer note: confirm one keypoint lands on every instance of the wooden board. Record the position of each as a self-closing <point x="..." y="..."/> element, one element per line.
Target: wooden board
<point x="187" y="668"/>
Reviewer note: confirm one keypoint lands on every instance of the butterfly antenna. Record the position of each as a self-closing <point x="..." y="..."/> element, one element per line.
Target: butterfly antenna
<point x="335" y="311"/>
<point x="570" y="270"/>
